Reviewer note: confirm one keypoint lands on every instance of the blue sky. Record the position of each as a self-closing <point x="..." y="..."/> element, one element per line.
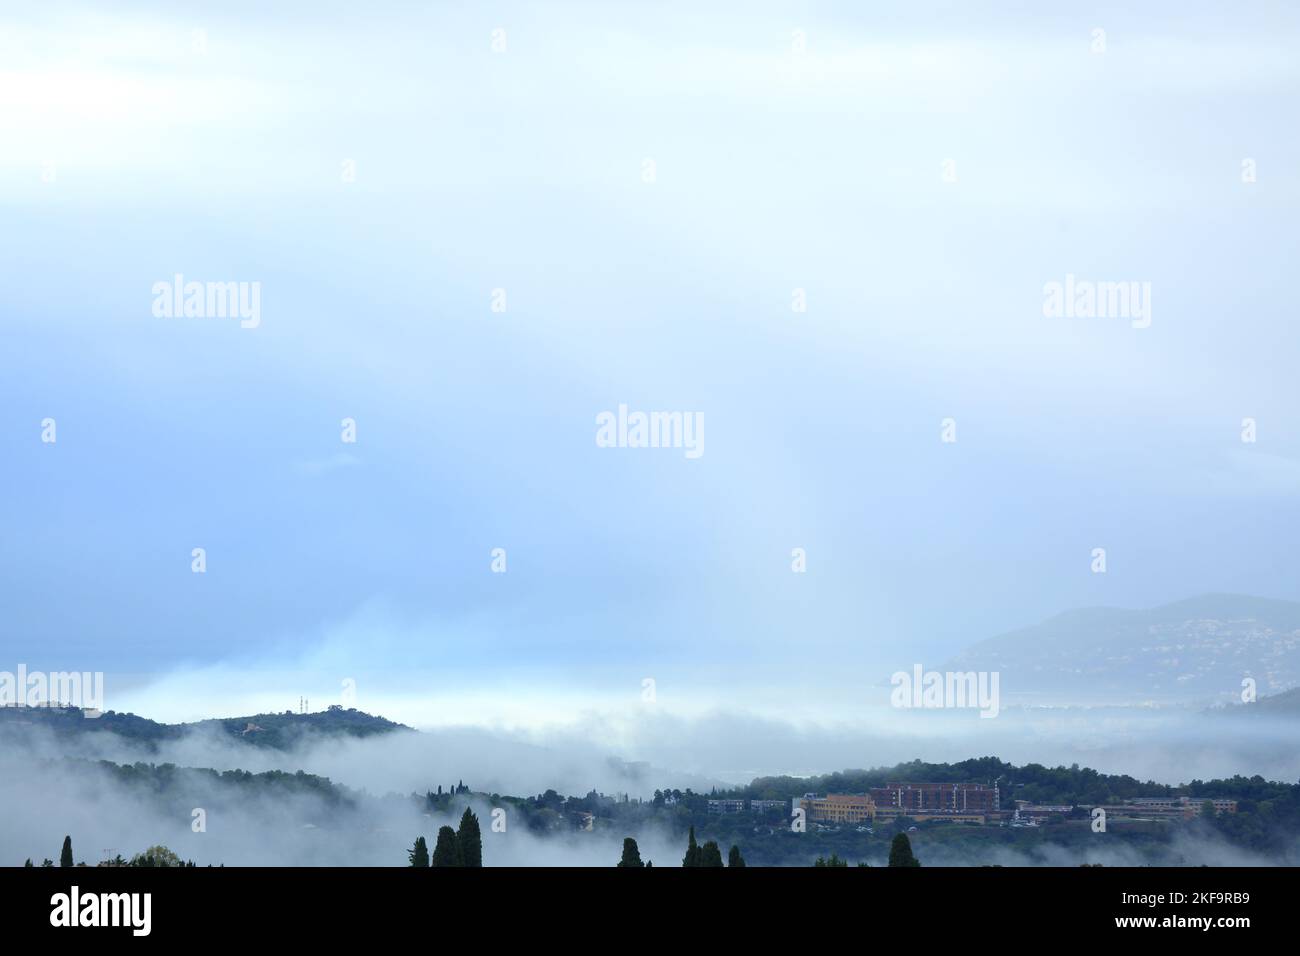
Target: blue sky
<point x="523" y="170"/>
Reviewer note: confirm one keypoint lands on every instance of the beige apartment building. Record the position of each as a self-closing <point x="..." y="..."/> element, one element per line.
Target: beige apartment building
<point x="839" y="808"/>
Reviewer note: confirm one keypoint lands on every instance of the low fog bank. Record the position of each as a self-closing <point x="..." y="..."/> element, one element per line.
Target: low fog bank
<point x="50" y="785"/>
<point x="616" y="753"/>
<point x="525" y="736"/>
<point x="1170" y="746"/>
<point x="401" y="762"/>
<point x="42" y="800"/>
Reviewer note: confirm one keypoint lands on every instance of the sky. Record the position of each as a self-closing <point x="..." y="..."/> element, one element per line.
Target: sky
<point x="653" y="187"/>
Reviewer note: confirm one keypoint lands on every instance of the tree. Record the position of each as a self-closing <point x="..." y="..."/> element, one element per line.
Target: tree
<point x="734" y="858"/>
<point x="65" y="858"/>
<point x="419" y="854"/>
<point x="1207" y="810"/>
<point x="631" y="854"/>
<point x="833" y="861"/>
<point x="446" y="852"/>
<point x="900" y="852"/>
<point x="470" y="840"/>
<point x="710" y="855"/>
<point x="156" y="856"/>
<point x="692" y="857"/>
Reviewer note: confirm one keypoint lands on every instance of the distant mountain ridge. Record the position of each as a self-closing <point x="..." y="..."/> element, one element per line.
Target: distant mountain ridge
<point x="1196" y="649"/>
<point x="275" y="731"/>
<point x="1285" y="704"/>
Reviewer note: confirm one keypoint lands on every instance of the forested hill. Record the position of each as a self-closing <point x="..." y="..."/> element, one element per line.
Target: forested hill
<point x="1033" y="782"/>
<point x="275" y="731"/>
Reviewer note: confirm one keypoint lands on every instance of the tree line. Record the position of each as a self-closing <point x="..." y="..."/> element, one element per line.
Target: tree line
<point x="153" y="856"/>
<point x="710" y="854"/>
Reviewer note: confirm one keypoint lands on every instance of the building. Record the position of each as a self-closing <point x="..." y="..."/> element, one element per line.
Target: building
<point x="1026" y="811"/>
<point x="1148" y="811"/>
<point x="937" y="800"/>
<point x="768" y="806"/>
<point x="1183" y="803"/>
<point x="1158" y="803"/>
<point x="726" y="806"/>
<point x="839" y="808"/>
<point x="1220" y="805"/>
<point x="1164" y="808"/>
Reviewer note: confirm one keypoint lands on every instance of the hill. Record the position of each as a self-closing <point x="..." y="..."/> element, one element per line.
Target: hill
<point x="1286" y="704"/>
<point x="275" y="731"/>
<point x="1197" y="649"/>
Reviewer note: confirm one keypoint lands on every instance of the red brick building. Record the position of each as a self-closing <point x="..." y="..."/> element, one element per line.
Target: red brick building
<point x="927" y="798"/>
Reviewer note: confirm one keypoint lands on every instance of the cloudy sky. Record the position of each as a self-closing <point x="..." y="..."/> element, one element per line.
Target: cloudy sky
<point x="649" y="184"/>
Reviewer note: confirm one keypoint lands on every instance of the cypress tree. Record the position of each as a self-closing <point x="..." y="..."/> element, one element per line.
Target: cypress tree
<point x="900" y="852"/>
<point x="734" y="858"/>
<point x="692" y="857"/>
<point x="65" y="858"/>
<point x="631" y="853"/>
<point x="470" y="840"/>
<point x="446" y="852"/>
<point x="710" y="855"/>
<point x="419" y="854"/>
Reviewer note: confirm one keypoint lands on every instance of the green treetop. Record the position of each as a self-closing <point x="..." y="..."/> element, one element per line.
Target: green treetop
<point x="900" y="852"/>
<point x="446" y="852"/>
<point x="631" y="854"/>
<point x="470" y="840"/>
